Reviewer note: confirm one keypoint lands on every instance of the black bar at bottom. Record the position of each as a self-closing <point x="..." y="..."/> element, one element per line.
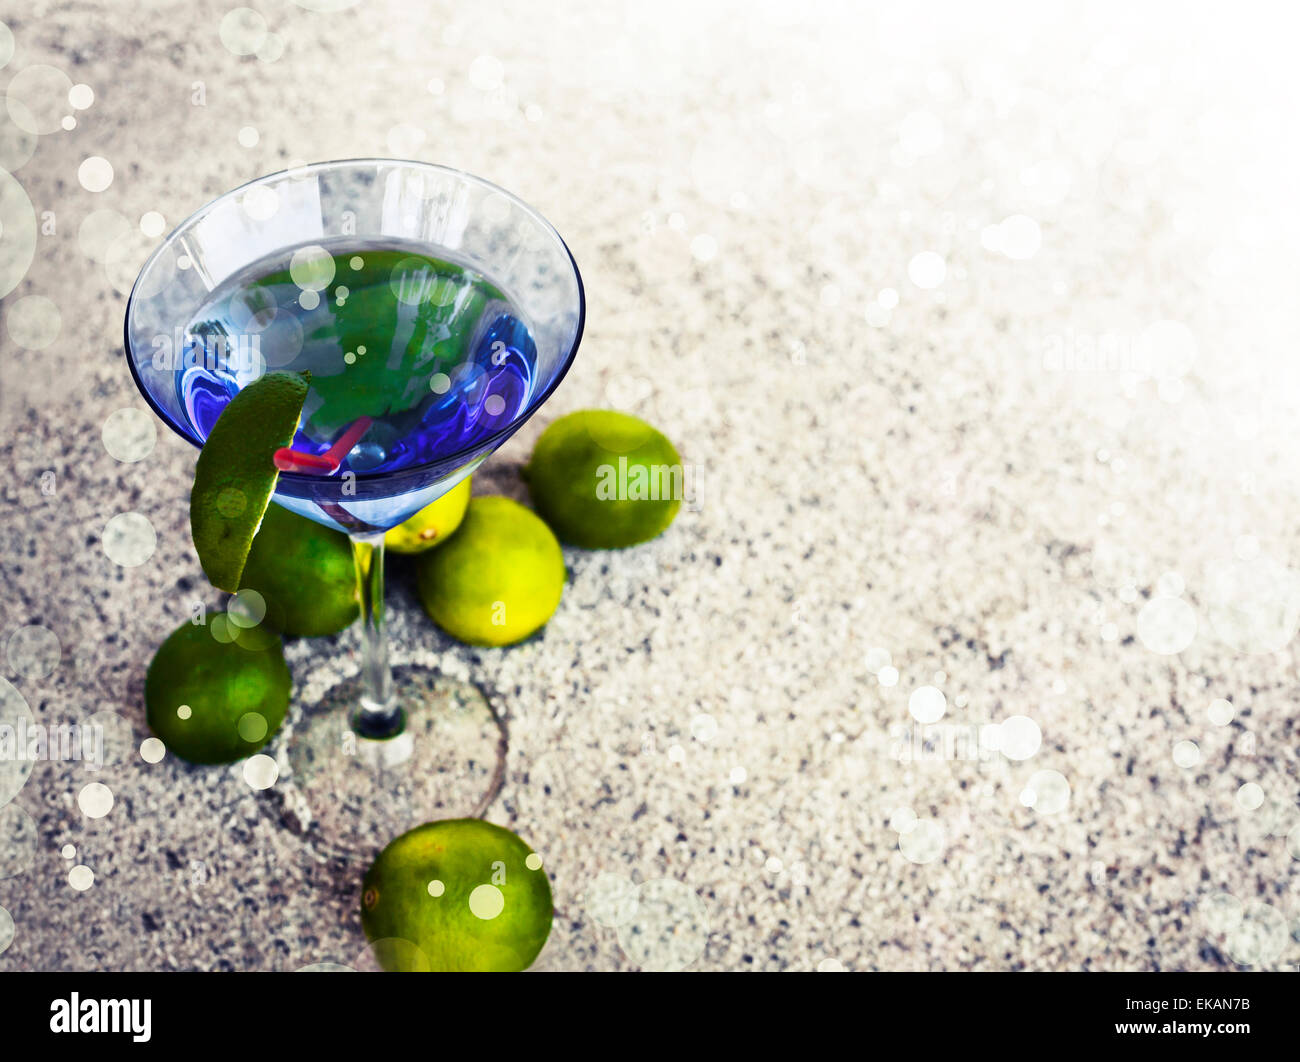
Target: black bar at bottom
<point x="582" y="1012"/>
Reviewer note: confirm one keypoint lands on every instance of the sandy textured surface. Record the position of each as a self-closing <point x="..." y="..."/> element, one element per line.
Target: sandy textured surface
<point x="1040" y="464"/>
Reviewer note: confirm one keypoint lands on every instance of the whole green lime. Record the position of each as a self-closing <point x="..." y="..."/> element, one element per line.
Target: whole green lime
<point x="210" y="698"/>
<point x="304" y="573"/>
<point x="605" y="480"/>
<point x="433" y="524"/>
<point x="498" y="579"/>
<point x="456" y="895"/>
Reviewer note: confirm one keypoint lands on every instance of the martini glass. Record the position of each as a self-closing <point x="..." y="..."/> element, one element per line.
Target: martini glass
<point x="436" y="313"/>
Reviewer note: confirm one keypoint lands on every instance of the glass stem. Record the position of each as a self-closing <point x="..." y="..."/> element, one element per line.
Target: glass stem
<point x="380" y="715"/>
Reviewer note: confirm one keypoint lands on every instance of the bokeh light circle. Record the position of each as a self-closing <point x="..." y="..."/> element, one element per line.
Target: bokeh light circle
<point x="1254" y="605"/>
<point x="129" y="434"/>
<point x="282" y="340"/>
<point x="923" y="843"/>
<point x="129" y="539"/>
<point x="1020" y="237"/>
<point x="37" y="99"/>
<point x="17" y="233"/>
<point x="242" y="30"/>
<point x="33" y="322"/>
<point x="1019" y="737"/>
<point x="486" y="73"/>
<point x="486" y="902"/>
<point x="927" y="269"/>
<point x="927" y="704"/>
<point x="1220" y="912"/>
<point x="252" y="727"/>
<point x="311" y="268"/>
<point x="669" y="929"/>
<point x="246" y="609"/>
<point x="1167" y="625"/>
<point x="1293" y="841"/>
<point x="1051" y="792"/>
<point x="95" y="800"/>
<point x="260" y="771"/>
<point x="902" y="820"/>
<point x="95" y="173"/>
<point x="33" y="651"/>
<point x="1260" y="937"/>
<point x="271" y="48"/>
<point x="1220" y="711"/>
<point x="17" y="717"/>
<point x="152" y="224"/>
<point x="1250" y="797"/>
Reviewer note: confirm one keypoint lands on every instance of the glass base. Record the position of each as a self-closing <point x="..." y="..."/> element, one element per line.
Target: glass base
<point x="348" y="796"/>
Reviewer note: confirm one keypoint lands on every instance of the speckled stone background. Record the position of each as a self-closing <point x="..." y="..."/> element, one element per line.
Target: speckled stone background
<point x="976" y="328"/>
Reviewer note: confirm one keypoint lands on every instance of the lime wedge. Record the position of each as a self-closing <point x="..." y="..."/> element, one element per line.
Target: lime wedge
<point x="235" y="475"/>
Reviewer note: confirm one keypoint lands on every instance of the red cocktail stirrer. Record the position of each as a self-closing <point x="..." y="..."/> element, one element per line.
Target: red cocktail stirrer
<point x="287" y="460"/>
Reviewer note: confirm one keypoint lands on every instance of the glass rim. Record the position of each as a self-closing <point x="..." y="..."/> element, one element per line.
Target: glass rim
<point x="488" y="442"/>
